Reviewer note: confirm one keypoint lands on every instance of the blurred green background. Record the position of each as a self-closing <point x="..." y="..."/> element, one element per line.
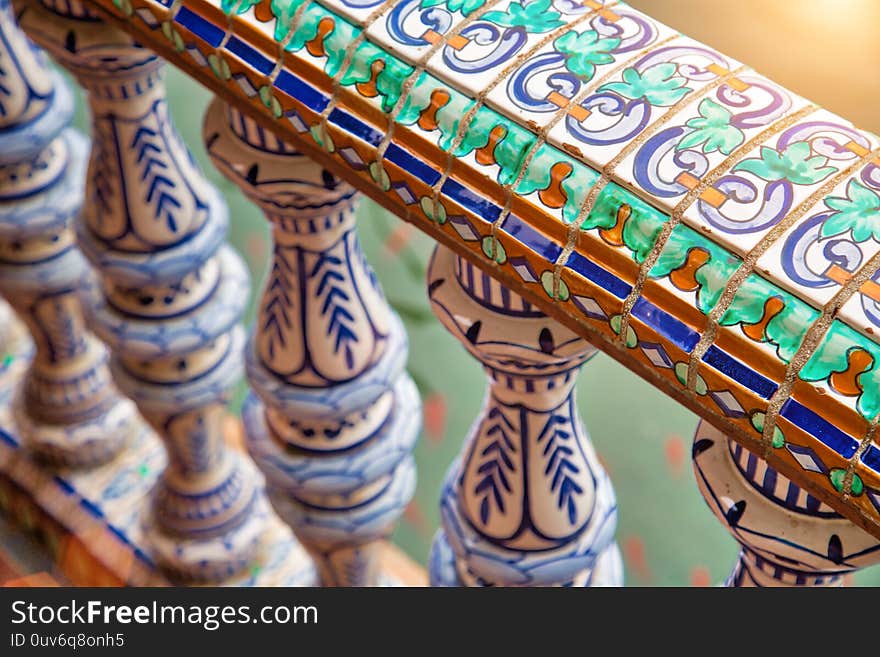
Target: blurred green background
<point x="827" y="52"/>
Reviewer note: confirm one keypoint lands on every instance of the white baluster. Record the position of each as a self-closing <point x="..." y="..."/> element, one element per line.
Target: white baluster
<point x="67" y="409"/>
<point x="527" y="503"/>
<point x="171" y="293"/>
<point x="788" y="537"/>
<point x="333" y="417"/>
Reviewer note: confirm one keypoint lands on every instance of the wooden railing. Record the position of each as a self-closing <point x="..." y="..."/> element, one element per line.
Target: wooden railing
<point x="594" y="181"/>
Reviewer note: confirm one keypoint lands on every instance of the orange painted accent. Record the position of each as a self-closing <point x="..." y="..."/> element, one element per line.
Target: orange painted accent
<point x="838" y="274"/>
<point x="688" y="180"/>
<point x="717" y="69"/>
<point x="457" y="42"/>
<point x="858" y="149"/>
<point x="368" y="89"/>
<point x="316" y="45"/>
<point x="772" y="307"/>
<point x="579" y="113"/>
<point x="737" y="84"/>
<point x="554" y="196"/>
<point x="861" y="151"/>
<point x="431" y="36"/>
<point x="846" y="382"/>
<point x="609" y="16"/>
<point x="614" y="235"/>
<point x="713" y="197"/>
<point x="428" y="116"/>
<point x="486" y="154"/>
<point x="592" y="4"/>
<point x="557" y="99"/>
<point x="871" y="290"/>
<point x="263" y="11"/>
<point x="684" y="278"/>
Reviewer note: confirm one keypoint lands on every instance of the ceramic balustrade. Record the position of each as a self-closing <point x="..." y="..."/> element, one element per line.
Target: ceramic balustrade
<point x="527" y="503"/>
<point x="66" y="408"/>
<point x="788" y="536"/>
<point x="169" y="294"/>
<point x="333" y="416"/>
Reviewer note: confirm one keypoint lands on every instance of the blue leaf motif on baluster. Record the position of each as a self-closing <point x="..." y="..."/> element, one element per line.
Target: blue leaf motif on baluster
<point x="496" y="464"/>
<point x="333" y="297"/>
<point x="278" y="302"/>
<point x="560" y="468"/>
<point x="100" y="172"/>
<point x="4" y="90"/>
<point x="159" y="186"/>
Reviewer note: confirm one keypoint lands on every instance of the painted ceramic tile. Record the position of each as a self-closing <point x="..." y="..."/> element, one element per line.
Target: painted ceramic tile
<point x="546" y="81"/>
<point x="830" y="244"/>
<point x="618" y="110"/>
<point x="771" y="180"/>
<point x="414" y="29"/>
<point x="667" y="114"/>
<point x="702" y="136"/>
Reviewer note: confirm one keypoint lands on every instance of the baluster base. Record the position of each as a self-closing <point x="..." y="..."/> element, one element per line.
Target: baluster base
<point x="99" y="518"/>
<point x="525" y="568"/>
<point x="340" y="542"/>
<point x="607" y="571"/>
<point x="213" y="558"/>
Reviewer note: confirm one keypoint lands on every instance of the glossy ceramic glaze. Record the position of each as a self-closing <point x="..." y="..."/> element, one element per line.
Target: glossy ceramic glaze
<point x="66" y="408"/>
<point x="333" y="418"/>
<point x="169" y="293"/>
<point x="689" y="216"/>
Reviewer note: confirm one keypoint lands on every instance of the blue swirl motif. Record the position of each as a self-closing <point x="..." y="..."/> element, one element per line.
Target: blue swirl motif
<point x="408" y="22"/>
<point x="747" y="210"/>
<point x="659" y="162"/>
<point x="488" y="46"/>
<point x="807" y="255"/>
<point x="630" y="117"/>
<point x="826" y="139"/>
<point x="682" y="56"/>
<point x="361" y="4"/>
<point x="546" y="72"/>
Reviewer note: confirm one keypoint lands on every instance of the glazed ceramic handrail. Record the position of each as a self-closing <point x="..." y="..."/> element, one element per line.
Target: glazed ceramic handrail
<point x="709" y="229"/>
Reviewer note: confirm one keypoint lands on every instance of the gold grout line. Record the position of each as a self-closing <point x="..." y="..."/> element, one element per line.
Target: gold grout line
<point x="812" y="340"/>
<point x="853" y="462"/>
<point x="346" y="65"/>
<point x="747" y="266"/>
<point x="608" y="170"/>
<point x="480" y="101"/>
<point x="677" y="213"/>
<point x="574" y="231"/>
<point x="230" y="19"/>
<point x="419" y="68"/>
<point x="292" y="28"/>
<point x="588" y="87"/>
